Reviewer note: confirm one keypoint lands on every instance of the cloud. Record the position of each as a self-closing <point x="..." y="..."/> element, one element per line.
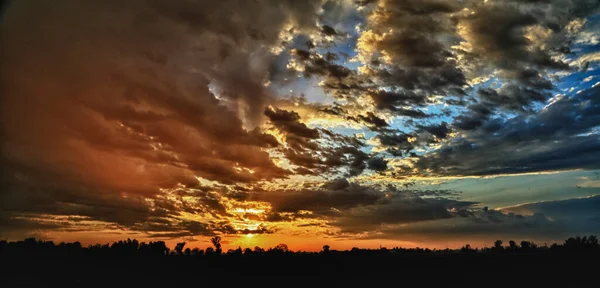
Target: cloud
<point x="523" y="42"/>
<point x="105" y="105"/>
<point x="337" y="79"/>
<point x="335" y="194"/>
<point x="407" y="48"/>
<point x="357" y="208"/>
<point x="328" y="30"/>
<point x="575" y="208"/>
<point x="512" y="97"/>
<point x="373" y="120"/>
<point x="543" y="221"/>
<point x="392" y="100"/>
<point x="165" y="118"/>
<point x="440" y="131"/>
<point x="399" y="210"/>
<point x="395" y="143"/>
<point x="559" y="137"/>
<point x="497" y="32"/>
<point x="377" y="164"/>
<point x="288" y="121"/>
<point x="475" y="116"/>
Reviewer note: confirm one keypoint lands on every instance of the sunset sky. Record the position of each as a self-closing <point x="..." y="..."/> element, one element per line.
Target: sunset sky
<point x="426" y="123"/>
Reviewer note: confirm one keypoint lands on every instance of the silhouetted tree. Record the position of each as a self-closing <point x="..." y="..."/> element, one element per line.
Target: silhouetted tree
<point x="512" y="245"/>
<point x="498" y="246"/>
<point x="581" y="244"/>
<point x="238" y="251"/>
<point x="326" y="249"/>
<point x="188" y="251"/>
<point x="525" y="246"/>
<point x="210" y="251"/>
<point x="593" y="241"/>
<point x="179" y="248"/>
<point x="467" y="249"/>
<point x="216" y="241"/>
<point x="3" y="244"/>
<point x="280" y="248"/>
<point x="158" y="248"/>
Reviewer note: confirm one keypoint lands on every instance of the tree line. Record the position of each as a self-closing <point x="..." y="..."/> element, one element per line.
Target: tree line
<point x="132" y="247"/>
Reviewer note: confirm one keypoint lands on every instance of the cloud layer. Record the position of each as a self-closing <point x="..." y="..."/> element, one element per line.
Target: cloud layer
<point x="193" y="118"/>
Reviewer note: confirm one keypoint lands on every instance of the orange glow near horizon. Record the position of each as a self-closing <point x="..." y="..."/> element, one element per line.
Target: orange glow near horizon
<point x="265" y="241"/>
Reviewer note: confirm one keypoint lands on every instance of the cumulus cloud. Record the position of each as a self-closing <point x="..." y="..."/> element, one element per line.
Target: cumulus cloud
<point x="559" y="137"/>
<point x="105" y="104"/>
<point x="407" y="49"/>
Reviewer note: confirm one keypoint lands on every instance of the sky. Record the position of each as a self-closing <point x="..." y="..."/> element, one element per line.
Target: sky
<point x="351" y="123"/>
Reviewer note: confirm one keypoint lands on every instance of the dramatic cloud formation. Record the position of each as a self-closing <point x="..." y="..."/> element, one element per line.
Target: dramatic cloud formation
<point x="320" y="118"/>
<point x="542" y="221"/>
<point x="556" y="138"/>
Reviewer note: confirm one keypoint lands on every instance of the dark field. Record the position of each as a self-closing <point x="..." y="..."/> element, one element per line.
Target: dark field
<point x="452" y="270"/>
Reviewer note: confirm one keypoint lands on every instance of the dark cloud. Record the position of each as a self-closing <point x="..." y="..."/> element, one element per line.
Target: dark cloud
<point x="440" y="131"/>
<point x="133" y="98"/>
<point x="394" y="100"/>
<point x="559" y="137"/>
<point x="541" y="222"/>
<point x="336" y="194"/>
<point x="318" y="151"/>
<point x="194" y="228"/>
<point x="395" y="143"/>
<point x="475" y="116"/>
<point x="328" y="30"/>
<point x="512" y="97"/>
<point x="288" y="122"/>
<point x="365" y="2"/>
<point x="335" y="110"/>
<point x="520" y="40"/>
<point x="412" y="113"/>
<point x="326" y="159"/>
<point x="497" y="33"/>
<point x="356" y="208"/>
<point x="400" y="210"/>
<point x="409" y="45"/>
<point x="373" y="120"/>
<point x="317" y="65"/>
<point x="377" y="164"/>
<point x="580" y="208"/>
<point x="339" y="80"/>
